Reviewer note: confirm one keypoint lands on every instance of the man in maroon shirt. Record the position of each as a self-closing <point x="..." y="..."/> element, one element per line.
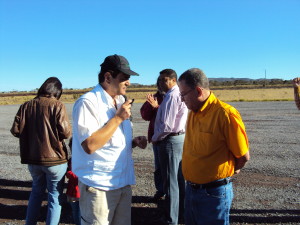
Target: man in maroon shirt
<point x="148" y="113"/>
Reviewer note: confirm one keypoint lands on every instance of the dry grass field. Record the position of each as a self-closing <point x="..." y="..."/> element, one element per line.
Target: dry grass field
<point x="239" y="95"/>
<point x="139" y="94"/>
<point x="268" y="94"/>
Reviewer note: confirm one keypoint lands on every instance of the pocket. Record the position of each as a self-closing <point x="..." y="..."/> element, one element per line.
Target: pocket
<point x="109" y="173"/>
<point x="218" y="192"/>
<point x="91" y="189"/>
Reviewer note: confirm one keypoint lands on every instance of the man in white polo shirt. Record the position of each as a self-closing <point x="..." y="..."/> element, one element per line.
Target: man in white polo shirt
<point x="102" y="146"/>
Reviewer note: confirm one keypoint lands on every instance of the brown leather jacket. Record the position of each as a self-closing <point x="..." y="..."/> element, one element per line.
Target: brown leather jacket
<point x="41" y="125"/>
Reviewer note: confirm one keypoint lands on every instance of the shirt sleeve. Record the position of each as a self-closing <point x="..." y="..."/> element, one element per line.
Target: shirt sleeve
<point x="167" y="118"/>
<point x="236" y="136"/>
<point x="63" y="124"/>
<point x="16" y="126"/>
<point x="85" y="119"/>
<point x="297" y="97"/>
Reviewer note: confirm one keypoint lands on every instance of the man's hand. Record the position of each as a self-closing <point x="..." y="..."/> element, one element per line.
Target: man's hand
<point x="152" y="100"/>
<point x="237" y="172"/>
<point x="100" y="137"/>
<point x="296" y="82"/>
<point x="240" y="162"/>
<point x="124" y="111"/>
<point x="140" y="141"/>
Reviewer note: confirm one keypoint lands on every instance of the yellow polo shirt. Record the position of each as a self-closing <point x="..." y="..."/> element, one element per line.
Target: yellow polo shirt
<point x="215" y="135"/>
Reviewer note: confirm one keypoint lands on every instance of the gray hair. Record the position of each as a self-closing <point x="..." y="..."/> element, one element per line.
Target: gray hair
<point x="195" y="77"/>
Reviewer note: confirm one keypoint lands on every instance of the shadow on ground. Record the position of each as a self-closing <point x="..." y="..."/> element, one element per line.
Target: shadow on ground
<point x="14" y="196"/>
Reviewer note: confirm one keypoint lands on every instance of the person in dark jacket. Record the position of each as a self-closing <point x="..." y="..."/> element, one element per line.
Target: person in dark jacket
<point x="41" y="125"/>
<point x="148" y="112"/>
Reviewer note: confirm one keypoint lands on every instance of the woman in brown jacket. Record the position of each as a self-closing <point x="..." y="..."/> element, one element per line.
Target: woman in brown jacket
<point x="41" y="125"/>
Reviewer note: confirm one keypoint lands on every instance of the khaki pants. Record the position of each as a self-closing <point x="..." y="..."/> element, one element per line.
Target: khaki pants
<point x="100" y="207"/>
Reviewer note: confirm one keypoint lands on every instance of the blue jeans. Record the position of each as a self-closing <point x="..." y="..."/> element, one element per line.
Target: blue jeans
<point x="208" y="206"/>
<point x="157" y="173"/>
<point x="52" y="179"/>
<point x="170" y="155"/>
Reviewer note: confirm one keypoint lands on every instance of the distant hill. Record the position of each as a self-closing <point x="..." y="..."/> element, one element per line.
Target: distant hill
<point x="224" y="79"/>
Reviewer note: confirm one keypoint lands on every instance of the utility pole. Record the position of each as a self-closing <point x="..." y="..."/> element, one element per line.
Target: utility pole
<point x="265" y="83"/>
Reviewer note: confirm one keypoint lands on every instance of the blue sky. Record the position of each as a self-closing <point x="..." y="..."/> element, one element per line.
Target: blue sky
<point x="70" y="39"/>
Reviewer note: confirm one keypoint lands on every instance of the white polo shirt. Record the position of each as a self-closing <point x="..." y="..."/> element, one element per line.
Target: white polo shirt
<point x="110" y="167"/>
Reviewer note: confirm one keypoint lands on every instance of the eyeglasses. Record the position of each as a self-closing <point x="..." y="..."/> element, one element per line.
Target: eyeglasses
<point x="182" y="95"/>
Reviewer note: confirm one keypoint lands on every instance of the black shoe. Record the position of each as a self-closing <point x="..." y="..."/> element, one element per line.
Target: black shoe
<point x="158" y="197"/>
<point x="181" y="220"/>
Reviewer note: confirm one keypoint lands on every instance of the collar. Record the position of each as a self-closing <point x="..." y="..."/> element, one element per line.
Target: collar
<point x="208" y="103"/>
<point x="172" y="89"/>
<point x="110" y="101"/>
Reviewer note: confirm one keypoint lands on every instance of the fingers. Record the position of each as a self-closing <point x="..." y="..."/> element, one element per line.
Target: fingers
<point x="237" y="172"/>
<point x="296" y="81"/>
<point x="141" y="141"/>
<point x="128" y="102"/>
<point x="150" y="97"/>
<point x="124" y="112"/>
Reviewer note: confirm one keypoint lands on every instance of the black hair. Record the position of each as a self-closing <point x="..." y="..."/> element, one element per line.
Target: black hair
<point x="52" y="87"/>
<point x="169" y="73"/>
<point x="101" y="78"/>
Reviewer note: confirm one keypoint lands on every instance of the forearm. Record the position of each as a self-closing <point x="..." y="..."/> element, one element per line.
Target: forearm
<point x="99" y="138"/>
<point x="241" y="162"/>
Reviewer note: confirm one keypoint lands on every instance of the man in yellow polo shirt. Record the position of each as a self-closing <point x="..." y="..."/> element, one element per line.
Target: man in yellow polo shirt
<point x="215" y="148"/>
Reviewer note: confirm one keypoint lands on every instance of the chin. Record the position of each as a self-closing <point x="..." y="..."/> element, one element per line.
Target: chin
<point x="189" y="106"/>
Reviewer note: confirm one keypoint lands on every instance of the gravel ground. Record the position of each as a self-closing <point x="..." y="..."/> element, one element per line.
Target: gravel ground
<point x="267" y="191"/>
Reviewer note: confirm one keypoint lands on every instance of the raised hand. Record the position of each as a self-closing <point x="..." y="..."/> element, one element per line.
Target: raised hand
<point x="152" y="100"/>
<point x="296" y="81"/>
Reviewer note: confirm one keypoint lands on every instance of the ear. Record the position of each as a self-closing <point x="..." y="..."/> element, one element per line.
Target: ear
<point x="107" y="77"/>
<point x="199" y="91"/>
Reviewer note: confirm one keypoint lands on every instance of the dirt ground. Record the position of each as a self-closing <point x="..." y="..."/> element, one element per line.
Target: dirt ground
<point x="267" y="191"/>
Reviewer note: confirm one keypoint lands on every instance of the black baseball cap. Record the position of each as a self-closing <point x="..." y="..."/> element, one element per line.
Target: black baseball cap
<point x="118" y="62"/>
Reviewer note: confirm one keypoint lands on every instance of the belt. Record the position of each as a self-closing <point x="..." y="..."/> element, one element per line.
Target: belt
<point x="175" y="134"/>
<point x="213" y="184"/>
